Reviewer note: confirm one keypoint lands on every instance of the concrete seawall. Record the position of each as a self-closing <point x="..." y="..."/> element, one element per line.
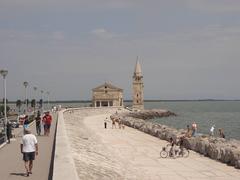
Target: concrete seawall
<point x="64" y="166"/>
<point x="226" y="151"/>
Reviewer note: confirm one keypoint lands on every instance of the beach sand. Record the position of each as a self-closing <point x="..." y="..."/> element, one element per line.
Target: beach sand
<point x="118" y="154"/>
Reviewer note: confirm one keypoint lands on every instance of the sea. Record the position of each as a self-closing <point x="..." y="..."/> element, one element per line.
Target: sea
<point x="222" y="114"/>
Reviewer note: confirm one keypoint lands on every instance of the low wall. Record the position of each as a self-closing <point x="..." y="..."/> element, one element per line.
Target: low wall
<point x="64" y="166"/>
<point x="226" y="151"/>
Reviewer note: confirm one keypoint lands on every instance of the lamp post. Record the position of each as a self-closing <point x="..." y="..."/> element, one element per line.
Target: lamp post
<point x="4" y="74"/>
<point x="48" y="99"/>
<point x="42" y="99"/>
<point x="35" y="97"/>
<point x="25" y="85"/>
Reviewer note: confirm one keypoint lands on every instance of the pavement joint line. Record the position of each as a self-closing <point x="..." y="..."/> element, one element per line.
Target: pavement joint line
<point x="2" y="145"/>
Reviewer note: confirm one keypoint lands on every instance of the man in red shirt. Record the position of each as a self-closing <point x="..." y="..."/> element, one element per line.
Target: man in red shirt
<point x="47" y="119"/>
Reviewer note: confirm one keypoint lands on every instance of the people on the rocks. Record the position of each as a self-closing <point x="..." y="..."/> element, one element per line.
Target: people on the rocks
<point x="221" y="133"/>
<point x="194" y="128"/>
<point x="188" y="132"/>
<point x="212" y="130"/>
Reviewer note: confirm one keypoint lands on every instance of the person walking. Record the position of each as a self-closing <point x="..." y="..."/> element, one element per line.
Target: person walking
<point x="47" y="119"/>
<point x="25" y="123"/>
<point x="105" y="123"/>
<point x="9" y="131"/>
<point x="29" y="148"/>
<point x="38" y="123"/>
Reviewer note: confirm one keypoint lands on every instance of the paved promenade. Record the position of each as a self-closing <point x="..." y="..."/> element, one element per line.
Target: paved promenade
<point x="12" y="165"/>
<point x="130" y="154"/>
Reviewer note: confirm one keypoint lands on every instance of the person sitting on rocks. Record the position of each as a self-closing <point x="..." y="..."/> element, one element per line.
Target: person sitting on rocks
<point x="212" y="130"/>
<point x="221" y="134"/>
<point x="194" y="128"/>
<point x="188" y="132"/>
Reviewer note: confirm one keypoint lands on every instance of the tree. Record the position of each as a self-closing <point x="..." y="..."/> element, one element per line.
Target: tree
<point x="19" y="104"/>
<point x="2" y="110"/>
<point x="40" y="103"/>
<point x="33" y="104"/>
<point x="27" y="102"/>
<point x="6" y="101"/>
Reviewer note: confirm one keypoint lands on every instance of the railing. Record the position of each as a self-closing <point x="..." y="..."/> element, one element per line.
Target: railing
<point x="2" y="138"/>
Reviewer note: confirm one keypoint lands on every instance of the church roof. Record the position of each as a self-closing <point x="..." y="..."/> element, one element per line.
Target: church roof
<point x="108" y="85"/>
<point x="138" y="69"/>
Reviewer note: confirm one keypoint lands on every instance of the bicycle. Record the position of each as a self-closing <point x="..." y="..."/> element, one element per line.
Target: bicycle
<point x="166" y="151"/>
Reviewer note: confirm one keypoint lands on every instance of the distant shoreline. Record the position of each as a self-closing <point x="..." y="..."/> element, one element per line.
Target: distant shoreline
<point x="148" y="100"/>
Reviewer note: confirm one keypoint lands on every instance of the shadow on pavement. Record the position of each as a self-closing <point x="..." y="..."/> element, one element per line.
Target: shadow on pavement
<point x="18" y="174"/>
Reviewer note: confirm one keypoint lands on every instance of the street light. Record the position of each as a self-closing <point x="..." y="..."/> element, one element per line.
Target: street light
<point x="42" y="99"/>
<point x="4" y="74"/>
<point x="48" y="98"/>
<point x="35" y="90"/>
<point x="35" y="97"/>
<point x="25" y="85"/>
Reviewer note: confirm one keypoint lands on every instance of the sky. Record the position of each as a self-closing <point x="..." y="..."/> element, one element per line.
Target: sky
<point x="188" y="49"/>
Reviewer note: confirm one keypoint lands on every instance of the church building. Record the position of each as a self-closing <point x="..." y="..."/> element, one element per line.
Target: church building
<point x="107" y="95"/>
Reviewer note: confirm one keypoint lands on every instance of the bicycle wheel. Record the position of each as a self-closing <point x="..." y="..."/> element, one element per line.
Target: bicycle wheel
<point x="163" y="154"/>
<point x="185" y="153"/>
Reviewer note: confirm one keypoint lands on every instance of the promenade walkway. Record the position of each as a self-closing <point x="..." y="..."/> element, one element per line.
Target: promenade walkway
<point x="130" y="154"/>
<point x="12" y="165"/>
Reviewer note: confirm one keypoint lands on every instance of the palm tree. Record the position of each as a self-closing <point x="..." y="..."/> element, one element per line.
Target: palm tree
<point x="19" y="104"/>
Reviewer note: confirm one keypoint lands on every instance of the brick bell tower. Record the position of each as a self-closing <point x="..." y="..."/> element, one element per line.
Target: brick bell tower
<point x="138" y="102"/>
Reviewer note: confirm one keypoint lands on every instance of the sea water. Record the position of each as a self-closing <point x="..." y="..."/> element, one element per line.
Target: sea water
<point x="222" y="114"/>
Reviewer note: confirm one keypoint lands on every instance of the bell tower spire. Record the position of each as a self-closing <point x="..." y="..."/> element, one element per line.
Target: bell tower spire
<point x="138" y="102"/>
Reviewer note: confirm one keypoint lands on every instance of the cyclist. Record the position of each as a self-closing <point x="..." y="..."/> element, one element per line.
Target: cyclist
<point x="172" y="143"/>
<point x="180" y="144"/>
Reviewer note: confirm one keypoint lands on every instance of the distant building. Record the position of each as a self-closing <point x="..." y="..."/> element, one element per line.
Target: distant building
<point x="138" y="102"/>
<point x="107" y="95"/>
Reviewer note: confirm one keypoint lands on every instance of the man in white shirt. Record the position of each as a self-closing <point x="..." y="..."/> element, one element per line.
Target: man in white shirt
<point x="212" y="130"/>
<point x="29" y="148"/>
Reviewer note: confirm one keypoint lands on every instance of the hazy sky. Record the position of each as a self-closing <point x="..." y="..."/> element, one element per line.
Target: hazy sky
<point x="189" y="49"/>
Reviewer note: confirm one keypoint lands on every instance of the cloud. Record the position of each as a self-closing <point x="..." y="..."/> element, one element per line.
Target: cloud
<point x="214" y="6"/>
<point x="8" y="35"/>
<point x="58" y="35"/>
<point x="102" y="33"/>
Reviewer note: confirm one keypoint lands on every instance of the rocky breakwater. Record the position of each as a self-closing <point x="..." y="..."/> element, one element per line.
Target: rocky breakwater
<point x="226" y="151"/>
